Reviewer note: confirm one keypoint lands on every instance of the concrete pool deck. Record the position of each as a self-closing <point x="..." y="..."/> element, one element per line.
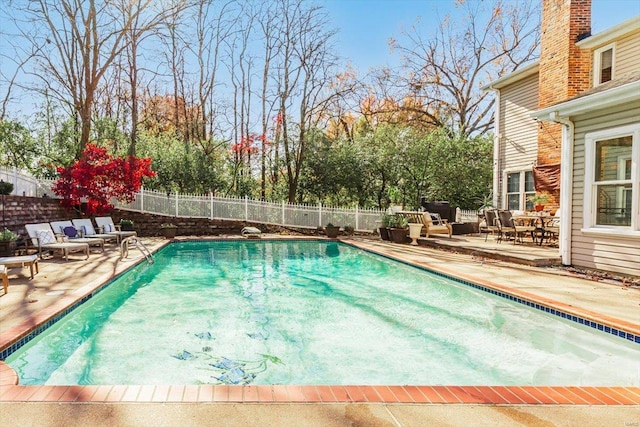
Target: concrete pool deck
<point x="59" y="283"/>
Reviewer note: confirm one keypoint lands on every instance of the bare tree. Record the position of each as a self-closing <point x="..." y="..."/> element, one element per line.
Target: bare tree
<point x="441" y="74"/>
<point x="80" y="40"/>
<point x="305" y="68"/>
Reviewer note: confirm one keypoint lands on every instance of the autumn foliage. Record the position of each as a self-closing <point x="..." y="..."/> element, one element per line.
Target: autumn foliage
<point x="98" y="177"/>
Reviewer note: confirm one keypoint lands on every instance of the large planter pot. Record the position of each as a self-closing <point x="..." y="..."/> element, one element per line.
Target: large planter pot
<point x="332" y="231"/>
<point x="398" y="235"/>
<point x="414" y="232"/>
<point x="169" y="232"/>
<point x="384" y="233"/>
<point x="7" y="248"/>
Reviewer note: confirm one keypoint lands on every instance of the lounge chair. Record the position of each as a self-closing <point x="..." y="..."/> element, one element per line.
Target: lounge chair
<point x="432" y="223"/>
<point x="85" y="226"/>
<point x="68" y="230"/>
<point x="106" y="223"/>
<point x="43" y="237"/>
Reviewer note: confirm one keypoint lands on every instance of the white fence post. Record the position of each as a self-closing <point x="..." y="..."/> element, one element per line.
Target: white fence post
<point x="320" y="214"/>
<point x="211" y="204"/>
<point x="357" y="223"/>
<point x="283" y="214"/>
<point x="176" y="204"/>
<point x="142" y="199"/>
<point x="246" y="208"/>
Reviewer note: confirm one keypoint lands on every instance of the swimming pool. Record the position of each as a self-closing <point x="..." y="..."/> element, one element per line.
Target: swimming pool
<point x="272" y="312"/>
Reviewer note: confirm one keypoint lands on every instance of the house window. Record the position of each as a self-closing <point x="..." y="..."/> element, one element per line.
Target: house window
<point x="612" y="179"/>
<point x="603" y="64"/>
<point x="519" y="187"/>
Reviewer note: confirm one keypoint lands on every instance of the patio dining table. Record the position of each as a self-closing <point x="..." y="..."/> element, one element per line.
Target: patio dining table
<point x="539" y="220"/>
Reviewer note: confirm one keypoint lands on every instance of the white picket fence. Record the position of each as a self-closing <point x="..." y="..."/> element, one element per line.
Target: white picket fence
<point x="25" y="184"/>
<point x="215" y="207"/>
<point x="230" y="208"/>
<point x="251" y="210"/>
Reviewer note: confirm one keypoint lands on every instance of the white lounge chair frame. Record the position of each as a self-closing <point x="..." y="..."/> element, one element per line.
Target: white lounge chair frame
<point x="65" y="248"/>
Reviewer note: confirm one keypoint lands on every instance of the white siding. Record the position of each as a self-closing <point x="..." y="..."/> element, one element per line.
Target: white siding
<point x="627" y="54"/>
<point x="605" y="253"/>
<point x="518" y="130"/>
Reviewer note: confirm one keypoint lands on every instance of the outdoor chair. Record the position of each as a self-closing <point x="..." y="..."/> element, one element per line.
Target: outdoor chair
<point x="509" y="228"/>
<point x="491" y="224"/>
<point x="432" y="223"/>
<point x="43" y="237"/>
<point x="106" y="223"/>
<point x="552" y="228"/>
<point x="67" y="230"/>
<point x="85" y="226"/>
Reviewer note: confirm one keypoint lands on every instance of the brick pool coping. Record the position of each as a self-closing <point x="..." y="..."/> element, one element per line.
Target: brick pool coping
<point x="10" y="391"/>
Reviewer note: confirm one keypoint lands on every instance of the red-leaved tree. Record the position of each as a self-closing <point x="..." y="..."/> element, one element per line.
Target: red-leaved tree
<point x="98" y="178"/>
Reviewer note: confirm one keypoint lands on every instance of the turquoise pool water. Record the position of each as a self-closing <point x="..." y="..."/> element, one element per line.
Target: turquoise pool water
<point x="311" y="312"/>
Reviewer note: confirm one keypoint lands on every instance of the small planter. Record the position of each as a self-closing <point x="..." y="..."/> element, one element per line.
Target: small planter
<point x="398" y="235"/>
<point x="126" y="227"/>
<point x="332" y="231"/>
<point x="384" y="233"/>
<point x="414" y="232"/>
<point x="7" y="248"/>
<point x="539" y="208"/>
<point x="169" y="232"/>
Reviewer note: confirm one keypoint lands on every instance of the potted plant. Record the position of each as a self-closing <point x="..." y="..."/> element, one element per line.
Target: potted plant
<point x="126" y="225"/>
<point x="395" y="198"/>
<point x="331" y="230"/>
<point x="398" y="229"/>
<point x="538" y="201"/>
<point x="5" y="187"/>
<point x="7" y="242"/>
<point x="383" y="229"/>
<point x="169" y="230"/>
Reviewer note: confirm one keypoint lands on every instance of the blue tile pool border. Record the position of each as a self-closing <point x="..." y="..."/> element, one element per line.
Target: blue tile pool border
<point x="6" y="352"/>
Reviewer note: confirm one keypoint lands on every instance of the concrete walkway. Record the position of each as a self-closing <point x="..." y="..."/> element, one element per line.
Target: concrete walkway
<point x="29" y="302"/>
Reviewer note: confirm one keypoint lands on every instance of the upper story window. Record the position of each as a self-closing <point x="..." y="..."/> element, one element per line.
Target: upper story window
<point x="612" y="183"/>
<point x="603" y="64"/>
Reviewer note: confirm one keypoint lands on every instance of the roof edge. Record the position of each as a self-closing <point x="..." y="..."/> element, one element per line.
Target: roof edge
<point x="622" y="94"/>
<point x="610" y="34"/>
<point x="512" y="77"/>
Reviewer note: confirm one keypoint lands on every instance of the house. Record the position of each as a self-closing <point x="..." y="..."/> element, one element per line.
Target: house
<point x="569" y="126"/>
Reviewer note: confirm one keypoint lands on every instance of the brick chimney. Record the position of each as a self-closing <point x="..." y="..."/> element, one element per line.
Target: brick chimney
<point x="564" y="68"/>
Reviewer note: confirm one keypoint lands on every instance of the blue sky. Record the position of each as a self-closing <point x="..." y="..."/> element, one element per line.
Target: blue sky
<point x="365" y="26"/>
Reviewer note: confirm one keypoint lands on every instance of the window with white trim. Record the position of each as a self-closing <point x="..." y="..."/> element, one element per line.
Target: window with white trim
<point x="603" y="64"/>
<point x="518" y="188"/>
<point x="612" y="179"/>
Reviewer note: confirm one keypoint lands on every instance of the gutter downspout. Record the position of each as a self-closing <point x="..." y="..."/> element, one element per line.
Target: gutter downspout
<point x="566" y="185"/>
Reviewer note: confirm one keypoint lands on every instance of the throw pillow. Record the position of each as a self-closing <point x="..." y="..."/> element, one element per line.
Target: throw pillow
<point x="46" y="237"/>
<point x="70" y="232"/>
